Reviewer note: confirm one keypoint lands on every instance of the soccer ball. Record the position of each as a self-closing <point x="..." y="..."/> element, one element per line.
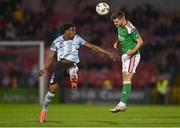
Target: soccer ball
<point x="102" y="8"/>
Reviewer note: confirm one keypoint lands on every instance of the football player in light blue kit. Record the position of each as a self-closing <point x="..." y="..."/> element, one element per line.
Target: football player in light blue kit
<point x="65" y="50"/>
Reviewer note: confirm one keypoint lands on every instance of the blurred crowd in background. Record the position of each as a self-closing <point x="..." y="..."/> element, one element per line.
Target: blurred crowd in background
<point x="160" y="54"/>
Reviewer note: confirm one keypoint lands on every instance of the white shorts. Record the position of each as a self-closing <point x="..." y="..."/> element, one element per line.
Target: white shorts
<point x="130" y="63"/>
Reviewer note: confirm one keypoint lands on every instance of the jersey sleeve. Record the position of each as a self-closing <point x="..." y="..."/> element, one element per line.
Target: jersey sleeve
<point x="53" y="47"/>
<point x="81" y="41"/>
<point x="134" y="34"/>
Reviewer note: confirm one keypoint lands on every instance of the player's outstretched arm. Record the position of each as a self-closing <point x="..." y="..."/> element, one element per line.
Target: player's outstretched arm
<point x="98" y="49"/>
<point x="51" y="57"/>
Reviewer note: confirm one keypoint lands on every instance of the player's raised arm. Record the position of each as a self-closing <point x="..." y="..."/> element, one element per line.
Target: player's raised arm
<point x="98" y="49"/>
<point x="51" y="57"/>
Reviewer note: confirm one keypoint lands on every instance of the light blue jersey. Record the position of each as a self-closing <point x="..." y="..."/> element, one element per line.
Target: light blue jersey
<point x="67" y="49"/>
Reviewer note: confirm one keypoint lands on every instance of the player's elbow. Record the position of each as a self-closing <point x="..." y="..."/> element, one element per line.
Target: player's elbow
<point x="140" y="41"/>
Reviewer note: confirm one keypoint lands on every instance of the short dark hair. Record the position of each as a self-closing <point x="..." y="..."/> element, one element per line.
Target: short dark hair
<point x="66" y="26"/>
<point x="117" y="14"/>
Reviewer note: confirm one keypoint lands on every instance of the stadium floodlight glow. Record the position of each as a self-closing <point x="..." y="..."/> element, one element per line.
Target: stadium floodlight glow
<point x="41" y="53"/>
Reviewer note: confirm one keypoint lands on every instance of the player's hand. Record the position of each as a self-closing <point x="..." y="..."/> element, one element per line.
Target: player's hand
<point x="130" y="52"/>
<point x="41" y="72"/>
<point x="116" y="45"/>
<point x="114" y="56"/>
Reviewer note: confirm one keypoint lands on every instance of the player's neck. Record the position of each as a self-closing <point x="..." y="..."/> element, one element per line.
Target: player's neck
<point x="66" y="37"/>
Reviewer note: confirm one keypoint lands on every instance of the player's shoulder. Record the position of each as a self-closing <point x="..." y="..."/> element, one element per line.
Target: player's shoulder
<point x="58" y="39"/>
<point x="77" y="36"/>
<point x="129" y="25"/>
<point x="78" y="39"/>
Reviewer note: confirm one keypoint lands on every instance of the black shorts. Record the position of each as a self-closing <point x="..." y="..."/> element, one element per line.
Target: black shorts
<point x="60" y="70"/>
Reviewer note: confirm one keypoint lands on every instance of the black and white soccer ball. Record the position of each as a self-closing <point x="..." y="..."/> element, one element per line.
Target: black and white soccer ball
<point x="102" y="8"/>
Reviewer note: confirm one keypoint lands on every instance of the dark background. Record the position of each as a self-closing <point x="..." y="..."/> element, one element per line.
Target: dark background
<point x="158" y="21"/>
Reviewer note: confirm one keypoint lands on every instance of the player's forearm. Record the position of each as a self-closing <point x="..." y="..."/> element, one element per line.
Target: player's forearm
<point x="136" y="48"/>
<point x="98" y="49"/>
<point x="138" y="45"/>
<point x="47" y="64"/>
<point x="117" y="41"/>
<point x="116" y="44"/>
<point x="49" y="60"/>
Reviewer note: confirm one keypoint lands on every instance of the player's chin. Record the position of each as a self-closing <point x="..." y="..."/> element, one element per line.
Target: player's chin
<point x="72" y="36"/>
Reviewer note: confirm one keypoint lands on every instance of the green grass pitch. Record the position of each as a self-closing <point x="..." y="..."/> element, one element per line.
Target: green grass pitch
<point x="94" y="115"/>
